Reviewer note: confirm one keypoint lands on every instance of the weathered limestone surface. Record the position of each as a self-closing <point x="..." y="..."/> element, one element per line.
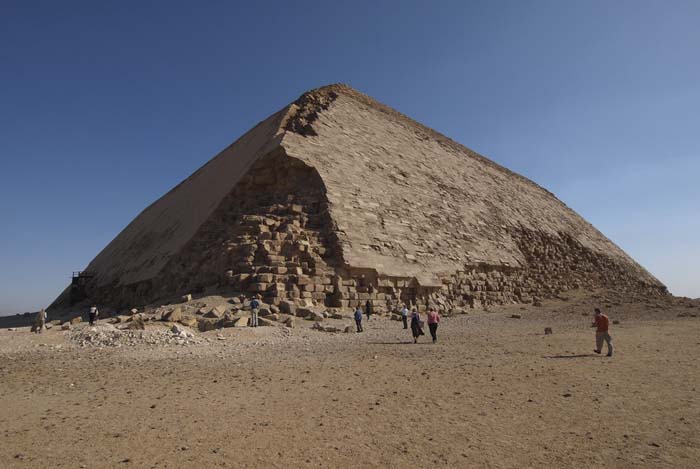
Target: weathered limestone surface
<point x="337" y="200"/>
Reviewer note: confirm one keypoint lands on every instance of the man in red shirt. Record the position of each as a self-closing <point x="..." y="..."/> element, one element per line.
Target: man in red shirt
<point x="601" y="323"/>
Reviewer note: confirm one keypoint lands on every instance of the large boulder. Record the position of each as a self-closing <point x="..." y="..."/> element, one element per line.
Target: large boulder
<point x="288" y="307"/>
<point x="264" y="312"/>
<point x="303" y="312"/>
<point x="137" y="323"/>
<point x="76" y="320"/>
<point x="265" y="322"/>
<point x="217" y="312"/>
<point x="181" y="331"/>
<point x="207" y="324"/>
<point x="229" y="320"/>
<point x="188" y="321"/>
<point x="242" y="321"/>
<point x="315" y="316"/>
<point x="173" y="315"/>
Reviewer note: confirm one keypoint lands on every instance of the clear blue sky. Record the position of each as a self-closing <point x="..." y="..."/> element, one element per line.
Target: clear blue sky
<point x="105" y="106"/>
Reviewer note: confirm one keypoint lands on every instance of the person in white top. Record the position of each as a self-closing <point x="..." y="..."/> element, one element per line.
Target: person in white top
<point x="404" y="316"/>
<point x="94" y="312"/>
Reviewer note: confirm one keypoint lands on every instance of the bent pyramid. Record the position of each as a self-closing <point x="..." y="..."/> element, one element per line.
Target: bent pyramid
<point x="337" y="199"/>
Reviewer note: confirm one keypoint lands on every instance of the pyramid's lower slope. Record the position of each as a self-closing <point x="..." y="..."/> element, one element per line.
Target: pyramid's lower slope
<point x="337" y="199"/>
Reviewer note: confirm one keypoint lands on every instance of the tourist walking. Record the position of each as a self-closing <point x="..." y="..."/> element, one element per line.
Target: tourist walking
<point x="416" y="326"/>
<point x="358" y="318"/>
<point x="254" y="307"/>
<point x="368" y="308"/>
<point x="601" y="323"/>
<point x="92" y="314"/>
<point x="404" y="316"/>
<point x="39" y="322"/>
<point x="433" y="321"/>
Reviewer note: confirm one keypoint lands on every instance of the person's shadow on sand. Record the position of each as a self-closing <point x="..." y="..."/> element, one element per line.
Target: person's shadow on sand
<point x="402" y="342"/>
<point x="585" y="355"/>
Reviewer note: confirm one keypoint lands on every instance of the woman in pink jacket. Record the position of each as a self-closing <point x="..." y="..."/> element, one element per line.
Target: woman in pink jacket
<point x="433" y="321"/>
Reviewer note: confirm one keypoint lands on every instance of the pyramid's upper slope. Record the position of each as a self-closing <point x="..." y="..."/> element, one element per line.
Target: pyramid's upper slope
<point x="409" y="201"/>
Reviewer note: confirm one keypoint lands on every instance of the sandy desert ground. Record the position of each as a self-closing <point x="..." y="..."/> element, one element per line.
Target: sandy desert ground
<point x="494" y="392"/>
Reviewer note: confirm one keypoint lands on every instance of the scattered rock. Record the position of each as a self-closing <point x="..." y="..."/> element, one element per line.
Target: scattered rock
<point x="242" y="321"/>
<point x="515" y="316"/>
<point x="315" y="316"/>
<point x="265" y="322"/>
<point x="65" y="326"/>
<point x="173" y="315"/>
<point x="288" y="307"/>
<point x="188" y="321"/>
<point x="76" y="320"/>
<point x="216" y="312"/>
<point x="137" y="323"/>
<point x="616" y="321"/>
<point x="206" y="324"/>
<point x="548" y="331"/>
<point x="186" y="298"/>
<point x="289" y="323"/>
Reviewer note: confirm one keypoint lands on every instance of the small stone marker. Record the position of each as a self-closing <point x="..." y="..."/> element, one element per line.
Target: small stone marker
<point x="515" y="316"/>
<point x="548" y="331"/>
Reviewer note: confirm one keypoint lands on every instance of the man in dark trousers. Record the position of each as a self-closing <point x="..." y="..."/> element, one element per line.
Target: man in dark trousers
<point x="358" y="318"/>
<point x="404" y="316"/>
<point x="368" y="308"/>
<point x="92" y="314"/>
<point x="601" y="323"/>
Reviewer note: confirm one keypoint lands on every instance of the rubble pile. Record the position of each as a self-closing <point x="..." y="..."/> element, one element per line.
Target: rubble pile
<point x="106" y="335"/>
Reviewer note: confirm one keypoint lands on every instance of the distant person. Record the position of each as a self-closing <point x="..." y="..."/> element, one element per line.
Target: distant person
<point x="254" y="307"/>
<point x="416" y="326"/>
<point x="39" y="322"/>
<point x="94" y="312"/>
<point x="433" y="321"/>
<point x="601" y="323"/>
<point x="358" y="318"/>
<point x="404" y="316"/>
<point x="368" y="308"/>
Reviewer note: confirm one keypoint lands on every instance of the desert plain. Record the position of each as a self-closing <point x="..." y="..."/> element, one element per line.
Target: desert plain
<point x="493" y="392"/>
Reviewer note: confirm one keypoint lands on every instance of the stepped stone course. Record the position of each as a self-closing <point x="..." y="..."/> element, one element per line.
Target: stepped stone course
<point x="337" y="200"/>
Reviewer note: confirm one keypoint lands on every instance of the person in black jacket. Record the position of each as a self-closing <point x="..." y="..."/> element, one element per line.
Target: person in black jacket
<point x="368" y="308"/>
<point x="416" y="328"/>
